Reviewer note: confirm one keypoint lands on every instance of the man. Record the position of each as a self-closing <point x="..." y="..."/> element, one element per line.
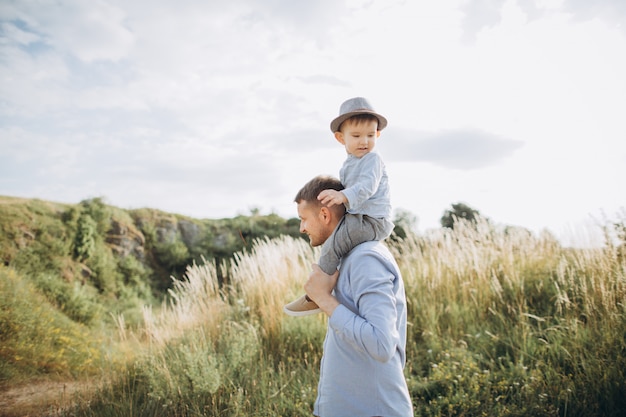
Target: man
<point x="364" y="351"/>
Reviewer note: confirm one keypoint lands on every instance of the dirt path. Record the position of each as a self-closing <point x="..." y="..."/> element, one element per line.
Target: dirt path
<point x="40" y="399"/>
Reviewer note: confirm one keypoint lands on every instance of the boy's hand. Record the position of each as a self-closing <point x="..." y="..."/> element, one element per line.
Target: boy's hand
<point x="332" y="197"/>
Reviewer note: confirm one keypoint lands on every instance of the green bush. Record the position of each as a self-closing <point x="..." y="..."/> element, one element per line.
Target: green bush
<point x="85" y="240"/>
<point x="173" y="256"/>
<point x="79" y="302"/>
<point x="36" y="340"/>
<point x="104" y="274"/>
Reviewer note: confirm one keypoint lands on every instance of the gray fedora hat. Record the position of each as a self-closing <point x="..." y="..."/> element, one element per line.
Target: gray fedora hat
<point x="352" y="107"/>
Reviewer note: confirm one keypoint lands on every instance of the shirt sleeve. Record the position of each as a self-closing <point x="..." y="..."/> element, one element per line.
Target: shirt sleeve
<point x="366" y="179"/>
<point x="372" y="328"/>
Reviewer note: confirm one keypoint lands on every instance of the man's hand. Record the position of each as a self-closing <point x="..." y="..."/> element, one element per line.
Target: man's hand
<point x="319" y="288"/>
<point x="332" y="197"/>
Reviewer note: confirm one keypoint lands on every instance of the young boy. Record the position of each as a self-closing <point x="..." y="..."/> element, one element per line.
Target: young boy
<point x="365" y="196"/>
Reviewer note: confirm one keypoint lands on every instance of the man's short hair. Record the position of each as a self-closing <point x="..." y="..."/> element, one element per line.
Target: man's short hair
<point x="311" y="189"/>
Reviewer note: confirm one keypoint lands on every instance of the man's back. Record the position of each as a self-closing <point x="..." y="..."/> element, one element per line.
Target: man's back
<point x="364" y="350"/>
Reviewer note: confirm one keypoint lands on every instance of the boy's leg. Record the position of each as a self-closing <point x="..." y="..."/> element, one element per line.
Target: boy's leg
<point x="352" y="230"/>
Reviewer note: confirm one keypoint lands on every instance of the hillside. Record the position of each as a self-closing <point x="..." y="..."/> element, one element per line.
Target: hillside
<point x="115" y="250"/>
<point x="82" y="265"/>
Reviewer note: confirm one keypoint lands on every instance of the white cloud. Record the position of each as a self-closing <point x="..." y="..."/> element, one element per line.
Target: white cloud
<point x="481" y="14"/>
<point x="463" y="149"/>
<point x="208" y="108"/>
<point x="13" y="34"/>
<point x="89" y="31"/>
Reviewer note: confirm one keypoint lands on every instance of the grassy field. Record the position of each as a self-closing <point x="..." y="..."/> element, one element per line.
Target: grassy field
<point x="501" y="323"/>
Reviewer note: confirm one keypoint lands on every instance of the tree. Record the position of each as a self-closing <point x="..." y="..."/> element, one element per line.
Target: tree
<point x="459" y="211"/>
<point x="405" y="223"/>
<point x="99" y="212"/>
<point x="85" y="239"/>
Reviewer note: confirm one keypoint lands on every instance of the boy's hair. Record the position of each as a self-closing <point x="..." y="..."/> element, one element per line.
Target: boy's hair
<point x="360" y="118"/>
<point x="313" y="188"/>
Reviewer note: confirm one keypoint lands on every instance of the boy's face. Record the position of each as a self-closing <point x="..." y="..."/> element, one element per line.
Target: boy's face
<point x="358" y="138"/>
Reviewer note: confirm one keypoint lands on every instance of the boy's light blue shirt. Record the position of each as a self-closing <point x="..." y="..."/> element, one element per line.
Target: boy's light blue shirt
<point x="366" y="185"/>
<point x="364" y="351"/>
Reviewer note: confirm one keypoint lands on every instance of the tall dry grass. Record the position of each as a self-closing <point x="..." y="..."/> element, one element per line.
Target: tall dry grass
<point x="534" y="323"/>
<point x="273" y="272"/>
<point x="223" y="348"/>
<point x="257" y="286"/>
<point x="502" y="322"/>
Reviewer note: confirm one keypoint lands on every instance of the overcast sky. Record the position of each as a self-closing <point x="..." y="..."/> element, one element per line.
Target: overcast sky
<point x="212" y="108"/>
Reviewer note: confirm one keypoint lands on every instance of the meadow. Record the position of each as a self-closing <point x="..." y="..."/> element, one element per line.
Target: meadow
<point x="502" y="322"/>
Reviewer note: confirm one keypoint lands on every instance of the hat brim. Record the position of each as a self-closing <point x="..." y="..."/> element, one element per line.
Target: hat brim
<point x="334" y="125"/>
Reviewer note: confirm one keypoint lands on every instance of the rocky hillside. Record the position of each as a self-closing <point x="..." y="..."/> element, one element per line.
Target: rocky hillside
<point x="122" y="257"/>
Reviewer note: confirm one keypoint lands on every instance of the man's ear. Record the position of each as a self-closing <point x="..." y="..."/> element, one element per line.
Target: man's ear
<point x="325" y="215"/>
<point x="339" y="137"/>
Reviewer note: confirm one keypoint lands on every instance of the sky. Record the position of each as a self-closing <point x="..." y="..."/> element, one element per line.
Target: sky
<point x="214" y="109"/>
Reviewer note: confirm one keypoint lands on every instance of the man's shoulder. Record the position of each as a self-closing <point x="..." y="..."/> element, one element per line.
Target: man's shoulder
<point x="371" y="247"/>
<point x="371" y="244"/>
<point x="371" y="256"/>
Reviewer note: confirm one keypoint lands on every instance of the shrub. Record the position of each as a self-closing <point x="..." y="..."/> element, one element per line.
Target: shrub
<point x="85" y="240"/>
<point x="77" y="301"/>
<point x="36" y="339"/>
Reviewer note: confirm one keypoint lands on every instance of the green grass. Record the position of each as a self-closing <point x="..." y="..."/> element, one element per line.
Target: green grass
<point x="502" y="323"/>
<point x="37" y="339"/>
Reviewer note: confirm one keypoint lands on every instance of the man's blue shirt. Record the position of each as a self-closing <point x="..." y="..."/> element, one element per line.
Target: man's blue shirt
<point x="364" y="350"/>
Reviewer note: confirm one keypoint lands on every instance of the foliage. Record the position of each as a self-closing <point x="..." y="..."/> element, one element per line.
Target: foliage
<point x="405" y="224"/>
<point x="35" y="338"/>
<point x="85" y="240"/>
<point x="91" y="264"/>
<point x="76" y="301"/>
<point x="125" y="255"/>
<point x="539" y="319"/>
<point x="173" y="241"/>
<point x="502" y="321"/>
<point x="215" y="351"/>
<point x="459" y="212"/>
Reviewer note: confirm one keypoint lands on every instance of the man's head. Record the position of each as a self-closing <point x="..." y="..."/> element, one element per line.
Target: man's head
<point x="317" y="220"/>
